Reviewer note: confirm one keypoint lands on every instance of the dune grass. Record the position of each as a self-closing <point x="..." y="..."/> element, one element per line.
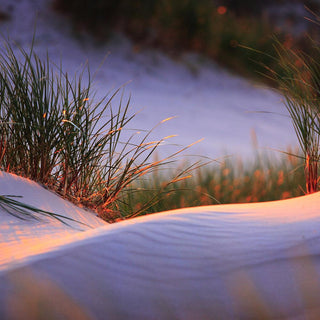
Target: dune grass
<point x="268" y="177"/>
<point x="55" y="132"/>
<point x="299" y="82"/>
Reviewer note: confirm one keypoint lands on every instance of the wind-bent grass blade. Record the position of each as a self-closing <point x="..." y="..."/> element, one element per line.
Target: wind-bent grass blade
<point x="24" y="211"/>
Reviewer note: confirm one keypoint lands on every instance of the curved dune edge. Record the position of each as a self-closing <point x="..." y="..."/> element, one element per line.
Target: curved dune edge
<point x="21" y="239"/>
<point x="223" y="262"/>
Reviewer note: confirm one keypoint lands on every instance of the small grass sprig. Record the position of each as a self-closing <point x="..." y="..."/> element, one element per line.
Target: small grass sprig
<point x="24" y="211"/>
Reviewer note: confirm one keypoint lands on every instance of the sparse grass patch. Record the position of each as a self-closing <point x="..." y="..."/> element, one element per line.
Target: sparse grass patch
<point x="231" y="180"/>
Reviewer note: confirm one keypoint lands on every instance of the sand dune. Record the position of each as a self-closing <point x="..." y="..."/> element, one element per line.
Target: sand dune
<point x="213" y="262"/>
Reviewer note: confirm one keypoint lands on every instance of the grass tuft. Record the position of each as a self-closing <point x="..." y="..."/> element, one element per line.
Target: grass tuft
<point x="54" y="131"/>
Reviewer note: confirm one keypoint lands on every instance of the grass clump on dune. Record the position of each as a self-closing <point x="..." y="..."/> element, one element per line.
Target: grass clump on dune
<point x="54" y="131"/>
<point x="299" y="82"/>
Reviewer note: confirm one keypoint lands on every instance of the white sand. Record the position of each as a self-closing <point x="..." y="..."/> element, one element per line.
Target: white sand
<point x="213" y="262"/>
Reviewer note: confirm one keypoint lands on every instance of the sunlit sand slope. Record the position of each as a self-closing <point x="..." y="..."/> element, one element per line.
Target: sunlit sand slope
<point x="20" y="239"/>
<point x="218" y="262"/>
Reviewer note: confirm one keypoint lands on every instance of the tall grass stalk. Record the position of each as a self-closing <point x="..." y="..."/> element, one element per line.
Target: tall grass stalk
<point x="54" y="131"/>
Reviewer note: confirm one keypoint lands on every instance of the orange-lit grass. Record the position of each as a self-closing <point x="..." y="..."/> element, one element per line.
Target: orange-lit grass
<point x="231" y="181"/>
